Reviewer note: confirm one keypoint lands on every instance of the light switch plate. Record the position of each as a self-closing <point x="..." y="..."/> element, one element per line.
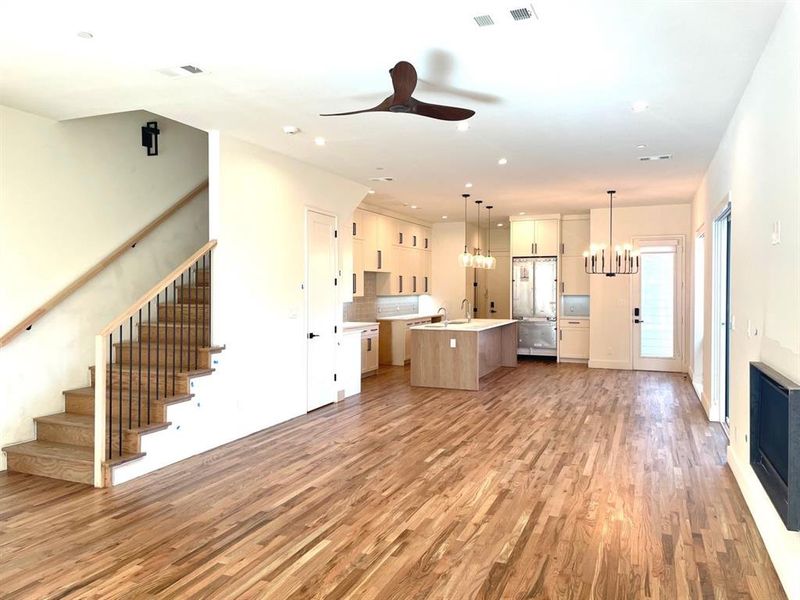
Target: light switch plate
<point x="452" y="342"/>
<point x="776" y="233"/>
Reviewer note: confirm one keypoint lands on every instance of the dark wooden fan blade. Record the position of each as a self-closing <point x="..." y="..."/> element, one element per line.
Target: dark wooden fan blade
<point x="383" y="106"/>
<point x="404" y="80"/>
<point x="438" y="111"/>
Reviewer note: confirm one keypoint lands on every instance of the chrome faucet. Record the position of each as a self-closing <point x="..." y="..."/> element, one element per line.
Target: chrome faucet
<point x="442" y="308"/>
<point x="468" y="311"/>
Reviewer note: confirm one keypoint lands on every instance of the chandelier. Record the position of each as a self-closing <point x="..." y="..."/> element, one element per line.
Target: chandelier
<point x="624" y="261"/>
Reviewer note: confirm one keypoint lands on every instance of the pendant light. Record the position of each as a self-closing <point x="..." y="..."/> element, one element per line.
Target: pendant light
<point x="465" y="259"/>
<point x="625" y="260"/>
<point x="479" y="261"/>
<point x="490" y="262"/>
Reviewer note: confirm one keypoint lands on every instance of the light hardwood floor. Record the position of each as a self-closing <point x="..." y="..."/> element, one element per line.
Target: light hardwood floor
<point x="551" y="482"/>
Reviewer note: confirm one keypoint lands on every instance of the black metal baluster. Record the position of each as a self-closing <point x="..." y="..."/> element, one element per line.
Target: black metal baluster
<point x="148" y="360"/>
<point x="130" y="378"/>
<point x="189" y="328"/>
<point x="183" y="289"/>
<point x="208" y="307"/>
<point x="108" y="389"/>
<point x="174" y="323"/>
<point x="158" y="337"/>
<point x="205" y="312"/>
<point x="119" y="383"/>
<point x="196" y="317"/>
<point x="139" y="343"/>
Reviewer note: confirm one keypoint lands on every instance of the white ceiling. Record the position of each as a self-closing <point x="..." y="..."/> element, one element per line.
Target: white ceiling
<point x="552" y="95"/>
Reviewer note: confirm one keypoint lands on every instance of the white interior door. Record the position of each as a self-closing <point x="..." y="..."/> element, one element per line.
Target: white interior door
<point x="322" y="296"/>
<point x="658" y="306"/>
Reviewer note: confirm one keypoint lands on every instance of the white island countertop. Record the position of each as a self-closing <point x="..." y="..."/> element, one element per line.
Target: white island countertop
<point x="411" y="317"/>
<point x="353" y="325"/>
<point x="463" y="325"/>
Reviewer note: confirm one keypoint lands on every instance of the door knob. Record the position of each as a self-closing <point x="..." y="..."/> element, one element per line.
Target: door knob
<point x="311" y="336"/>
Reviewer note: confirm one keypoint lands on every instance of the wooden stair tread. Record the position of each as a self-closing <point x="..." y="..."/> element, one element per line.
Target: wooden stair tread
<point x="118" y="460"/>
<point x="65" y="418"/>
<point x="84" y="391"/>
<point x="162" y="370"/>
<point x="53" y="450"/>
<point x="175" y="324"/>
<point x="87" y="421"/>
<point x="89" y="392"/>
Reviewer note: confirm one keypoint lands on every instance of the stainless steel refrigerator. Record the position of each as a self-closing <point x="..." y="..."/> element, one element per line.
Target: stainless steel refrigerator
<point x="534" y="302"/>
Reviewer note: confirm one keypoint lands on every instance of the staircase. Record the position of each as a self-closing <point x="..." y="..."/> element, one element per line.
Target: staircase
<point x="147" y="371"/>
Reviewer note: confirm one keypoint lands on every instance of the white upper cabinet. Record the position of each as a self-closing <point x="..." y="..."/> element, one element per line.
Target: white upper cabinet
<point x="545" y="241"/>
<point x="538" y="237"/>
<point x="522" y="236"/>
<point x="574" y="236"/>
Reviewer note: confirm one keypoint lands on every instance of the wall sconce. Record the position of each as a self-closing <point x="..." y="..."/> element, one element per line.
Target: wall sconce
<point x="150" y="137"/>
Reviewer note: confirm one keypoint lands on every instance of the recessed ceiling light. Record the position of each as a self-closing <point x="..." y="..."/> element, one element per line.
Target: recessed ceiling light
<point x="502" y="161"/>
<point x="522" y="213"/>
<point x="639" y="106"/>
<point x="444" y="216"/>
<point x="319" y="141"/>
<point x="413" y="206"/>
<point x="499" y="224"/>
<point x="85" y="35"/>
<point x="463" y="126"/>
<point x="467" y="185"/>
<point x="370" y="191"/>
<point x="641" y="146"/>
<point x="290" y="129"/>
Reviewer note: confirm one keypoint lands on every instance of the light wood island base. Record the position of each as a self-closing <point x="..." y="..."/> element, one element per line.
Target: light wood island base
<point x="480" y="347"/>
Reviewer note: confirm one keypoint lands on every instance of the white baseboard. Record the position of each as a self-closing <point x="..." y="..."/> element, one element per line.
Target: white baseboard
<point x="623" y="365"/>
<point x="782" y="546"/>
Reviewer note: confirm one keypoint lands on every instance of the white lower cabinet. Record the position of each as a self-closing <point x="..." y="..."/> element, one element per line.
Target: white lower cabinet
<point x="369" y="351"/>
<point x="349" y="370"/>
<point x="573" y="339"/>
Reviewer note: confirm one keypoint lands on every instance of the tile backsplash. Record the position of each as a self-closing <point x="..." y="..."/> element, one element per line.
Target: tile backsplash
<point x="370" y="306"/>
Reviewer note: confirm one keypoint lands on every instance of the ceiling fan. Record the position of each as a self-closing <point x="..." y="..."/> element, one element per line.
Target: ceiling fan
<point x="404" y="80"/>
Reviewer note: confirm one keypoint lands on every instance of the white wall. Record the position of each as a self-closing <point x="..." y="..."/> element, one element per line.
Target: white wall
<point x="449" y="280"/>
<point x="611" y="323"/>
<point x="257" y="213"/>
<point x="758" y="162"/>
<point x="70" y="192"/>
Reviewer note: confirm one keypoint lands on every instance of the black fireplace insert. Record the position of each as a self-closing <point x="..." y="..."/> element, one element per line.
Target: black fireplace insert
<point x="775" y="439"/>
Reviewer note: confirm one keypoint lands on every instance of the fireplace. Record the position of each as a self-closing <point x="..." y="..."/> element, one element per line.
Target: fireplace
<point x="775" y="439"/>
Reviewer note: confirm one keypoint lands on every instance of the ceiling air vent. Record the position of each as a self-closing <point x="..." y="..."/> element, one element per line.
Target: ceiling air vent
<point x="656" y="157"/>
<point x="385" y="179"/>
<point x="524" y="13"/>
<point x="182" y="71"/>
<point x="484" y="20"/>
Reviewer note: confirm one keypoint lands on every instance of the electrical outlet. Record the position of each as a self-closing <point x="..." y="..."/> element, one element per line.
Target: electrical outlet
<point x="452" y="342"/>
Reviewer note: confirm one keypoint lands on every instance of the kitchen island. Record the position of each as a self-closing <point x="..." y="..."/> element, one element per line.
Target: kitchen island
<point x="456" y="355"/>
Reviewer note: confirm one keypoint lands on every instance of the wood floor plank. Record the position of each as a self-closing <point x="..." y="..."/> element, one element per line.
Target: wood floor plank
<point x="553" y="481"/>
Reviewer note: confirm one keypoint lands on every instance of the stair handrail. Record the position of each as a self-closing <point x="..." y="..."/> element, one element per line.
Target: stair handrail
<point x="73" y="287"/>
<point x="159" y="287"/>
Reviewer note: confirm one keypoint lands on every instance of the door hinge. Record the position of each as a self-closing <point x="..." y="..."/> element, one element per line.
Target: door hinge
<point x="334" y="376"/>
<point x="335" y="281"/>
<point x="336" y="233"/>
<point x="335" y="329"/>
